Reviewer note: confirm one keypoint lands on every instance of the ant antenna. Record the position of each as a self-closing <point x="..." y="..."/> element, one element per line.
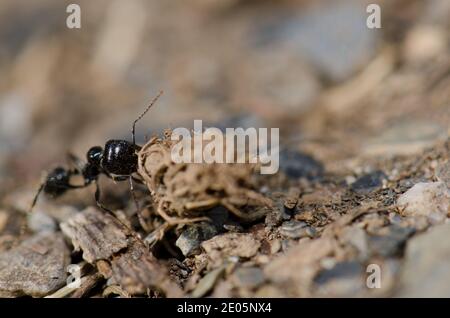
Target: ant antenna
<point x="142" y="115"/>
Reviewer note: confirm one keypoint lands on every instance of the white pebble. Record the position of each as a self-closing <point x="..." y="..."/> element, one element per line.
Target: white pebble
<point x="425" y="198"/>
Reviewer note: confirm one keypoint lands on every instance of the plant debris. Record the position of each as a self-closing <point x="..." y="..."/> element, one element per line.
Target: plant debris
<point x="181" y="191"/>
<point x="117" y="253"/>
<point x="36" y="267"/>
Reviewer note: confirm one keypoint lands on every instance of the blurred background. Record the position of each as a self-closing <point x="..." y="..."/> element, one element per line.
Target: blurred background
<point x="338" y="90"/>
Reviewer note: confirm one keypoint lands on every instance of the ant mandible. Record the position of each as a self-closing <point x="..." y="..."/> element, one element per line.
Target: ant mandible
<point x="117" y="160"/>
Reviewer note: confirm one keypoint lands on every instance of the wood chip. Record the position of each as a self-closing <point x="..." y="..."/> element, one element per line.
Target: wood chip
<point x="118" y="253"/>
<point x="97" y="235"/>
<point x="36" y="267"/>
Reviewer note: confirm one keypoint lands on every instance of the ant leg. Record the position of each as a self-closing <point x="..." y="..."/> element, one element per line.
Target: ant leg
<point x="142" y="115"/>
<point x="99" y="204"/>
<point x="138" y="210"/>
<point x="137" y="180"/>
<point x="36" y="196"/>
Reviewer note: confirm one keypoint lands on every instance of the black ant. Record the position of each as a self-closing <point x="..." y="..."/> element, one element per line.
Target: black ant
<point x="117" y="160"/>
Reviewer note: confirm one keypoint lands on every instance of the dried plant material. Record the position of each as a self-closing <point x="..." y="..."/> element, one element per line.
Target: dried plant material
<point x="118" y="253"/>
<point x="69" y="289"/>
<point x="115" y="290"/>
<point x="36" y="267"/>
<point x="88" y="283"/>
<point x="182" y="191"/>
<point x="136" y="270"/>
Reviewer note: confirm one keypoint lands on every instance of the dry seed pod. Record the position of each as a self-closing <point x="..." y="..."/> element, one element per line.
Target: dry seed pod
<point x="183" y="191"/>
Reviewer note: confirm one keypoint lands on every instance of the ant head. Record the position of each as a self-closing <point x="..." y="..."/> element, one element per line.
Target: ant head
<point x="57" y="182"/>
<point x="120" y="157"/>
<point x="94" y="155"/>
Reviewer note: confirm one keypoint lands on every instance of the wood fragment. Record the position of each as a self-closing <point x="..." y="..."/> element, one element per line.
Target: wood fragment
<point x="117" y="252"/>
<point x="36" y="267"/>
<point x="96" y="235"/>
<point x="116" y="290"/>
<point x="87" y="284"/>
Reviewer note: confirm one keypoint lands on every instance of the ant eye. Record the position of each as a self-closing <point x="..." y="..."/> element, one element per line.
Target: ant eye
<point x="94" y="155"/>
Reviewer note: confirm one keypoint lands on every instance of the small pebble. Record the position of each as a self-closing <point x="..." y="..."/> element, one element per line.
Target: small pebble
<point x="298" y="165"/>
<point x="443" y="173"/>
<point x="275" y="246"/>
<point x="426" y="265"/>
<point x="425" y="198"/>
<point x="328" y="263"/>
<point x="190" y="239"/>
<point x="390" y="240"/>
<point x="394" y="218"/>
<point x="296" y="230"/>
<point x="368" y="183"/>
<point x="249" y="277"/>
<point x="236" y="228"/>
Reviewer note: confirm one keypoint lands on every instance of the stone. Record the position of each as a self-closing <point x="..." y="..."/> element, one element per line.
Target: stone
<point x="345" y="279"/>
<point x="389" y="270"/>
<point x="276" y="215"/>
<point x="425" y="198"/>
<point x="208" y="281"/>
<point x="297" y="267"/>
<point x="36" y="267"/>
<point x="389" y="241"/>
<point x="427" y="265"/>
<point x="275" y="246"/>
<point x="249" y="277"/>
<point x="296" y="230"/>
<point x="298" y="165"/>
<point x="368" y="183"/>
<point x="357" y="238"/>
<point x="443" y="173"/>
<point x="231" y="244"/>
<point x="190" y="239"/>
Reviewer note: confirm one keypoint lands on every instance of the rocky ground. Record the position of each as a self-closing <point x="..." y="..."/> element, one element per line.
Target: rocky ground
<point x="364" y="181"/>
